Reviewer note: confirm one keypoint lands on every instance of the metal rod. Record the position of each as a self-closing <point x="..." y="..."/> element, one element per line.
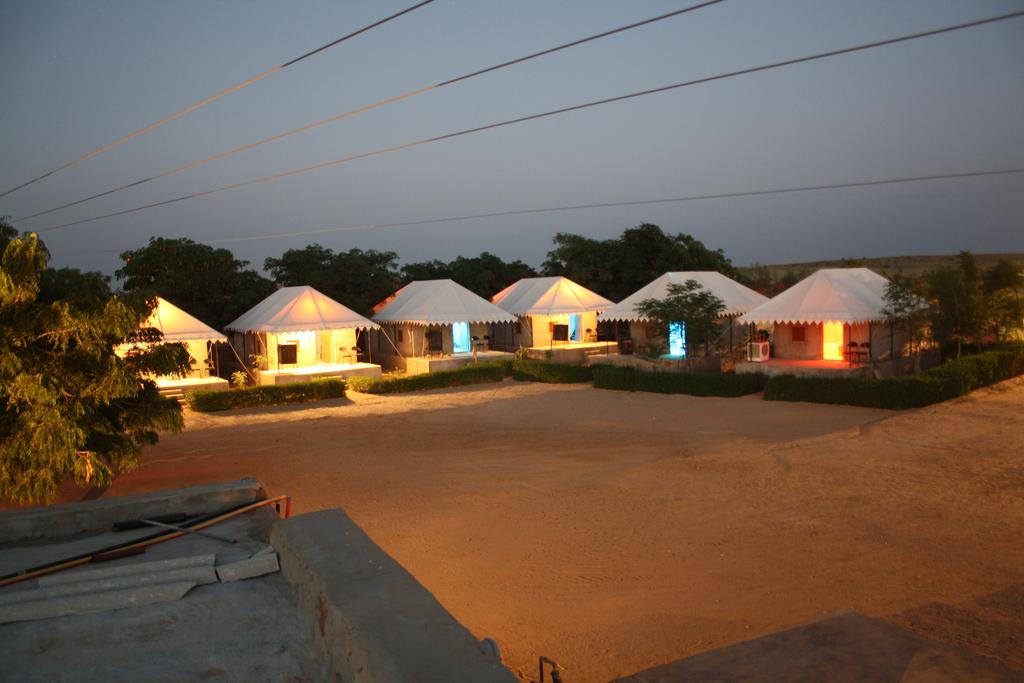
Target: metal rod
<point x="175" y="527"/>
<point x="157" y="537"/>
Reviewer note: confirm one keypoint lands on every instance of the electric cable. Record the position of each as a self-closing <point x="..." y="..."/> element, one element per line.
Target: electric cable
<point x="365" y="108"/>
<point x="554" y="112"/>
<point x="603" y="205"/>
<point x="213" y="98"/>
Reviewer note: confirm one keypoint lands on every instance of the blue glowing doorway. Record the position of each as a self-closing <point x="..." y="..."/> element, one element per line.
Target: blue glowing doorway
<point x="460" y="338"/>
<point x="677" y="339"/>
<point x="575" y="323"/>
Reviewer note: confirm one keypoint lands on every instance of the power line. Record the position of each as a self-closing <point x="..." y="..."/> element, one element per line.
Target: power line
<point x="554" y="112"/>
<point x="213" y="98"/>
<point x="374" y="105"/>
<point x="603" y="205"/>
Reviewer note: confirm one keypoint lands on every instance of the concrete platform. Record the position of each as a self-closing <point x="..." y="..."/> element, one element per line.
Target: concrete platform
<point x="846" y="647"/>
<point x="372" y="620"/>
<point x="187" y="384"/>
<point x="339" y="609"/>
<point x="575" y="353"/>
<point x="305" y="374"/>
<point x="243" y="631"/>
<point x="421" y="366"/>
<point x="804" y="368"/>
<point x="70" y="519"/>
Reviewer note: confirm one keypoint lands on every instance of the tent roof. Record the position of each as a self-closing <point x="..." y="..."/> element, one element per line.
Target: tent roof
<point x="294" y="309"/>
<point x="737" y="298"/>
<point x="848" y="295"/>
<point x="439" y="302"/>
<point x="548" y="296"/>
<point x="177" y="325"/>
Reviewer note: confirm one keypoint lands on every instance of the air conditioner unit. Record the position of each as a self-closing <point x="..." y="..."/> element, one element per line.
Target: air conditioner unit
<point x="758" y="351"/>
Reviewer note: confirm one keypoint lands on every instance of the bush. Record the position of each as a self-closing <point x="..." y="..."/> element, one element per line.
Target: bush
<point x="949" y="380"/>
<point x="897" y="393"/>
<point x="479" y="373"/>
<point x="727" y="385"/>
<point x="551" y="373"/>
<point x="272" y="394"/>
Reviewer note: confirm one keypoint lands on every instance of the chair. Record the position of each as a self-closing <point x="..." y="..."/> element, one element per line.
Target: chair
<point x="865" y="352"/>
<point x="850" y="351"/>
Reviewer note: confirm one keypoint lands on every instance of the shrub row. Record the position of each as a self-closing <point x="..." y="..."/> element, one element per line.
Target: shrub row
<point x="726" y="384"/>
<point x="551" y="373"/>
<point x="949" y="380"/>
<point x="479" y="373"/>
<point x="897" y="393"/>
<point x="271" y="394"/>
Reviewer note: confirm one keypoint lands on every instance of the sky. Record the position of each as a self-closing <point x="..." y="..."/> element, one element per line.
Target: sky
<point x="78" y="75"/>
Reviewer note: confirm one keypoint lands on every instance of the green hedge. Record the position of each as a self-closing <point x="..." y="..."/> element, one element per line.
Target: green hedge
<point x="896" y="393"/>
<point x="551" y="373"/>
<point x="949" y="380"/>
<point x="479" y="373"/>
<point x="271" y="394"/>
<point x="727" y="385"/>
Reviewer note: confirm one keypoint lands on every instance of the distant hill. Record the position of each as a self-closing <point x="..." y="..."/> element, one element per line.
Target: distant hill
<point x="908" y="265"/>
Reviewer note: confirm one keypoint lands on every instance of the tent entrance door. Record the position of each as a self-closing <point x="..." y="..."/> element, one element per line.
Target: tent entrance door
<point x="677" y="339"/>
<point x="832" y="341"/>
<point x="575" y="323"/>
<point x="325" y="346"/>
<point x="461" y="342"/>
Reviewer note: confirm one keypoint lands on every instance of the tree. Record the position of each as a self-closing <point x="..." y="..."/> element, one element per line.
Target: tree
<point x="485" y="275"/>
<point x="84" y="290"/>
<point x="356" y="278"/>
<point x="698" y="308"/>
<point x="70" y="408"/>
<point x="209" y="283"/>
<point x="957" y="313"/>
<point x="906" y="308"/>
<point x="1003" y="287"/>
<point x="618" y="267"/>
<point x="7" y="232"/>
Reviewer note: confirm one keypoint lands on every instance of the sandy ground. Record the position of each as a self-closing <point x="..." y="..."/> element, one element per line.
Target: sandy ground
<point x="616" y="531"/>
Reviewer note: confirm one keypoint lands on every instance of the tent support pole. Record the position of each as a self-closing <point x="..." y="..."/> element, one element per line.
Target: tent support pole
<point x="244" y="366"/>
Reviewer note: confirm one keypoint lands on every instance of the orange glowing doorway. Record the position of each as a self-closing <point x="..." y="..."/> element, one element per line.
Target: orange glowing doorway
<point x="832" y="341"/>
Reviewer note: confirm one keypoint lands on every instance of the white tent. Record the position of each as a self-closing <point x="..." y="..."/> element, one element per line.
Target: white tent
<point x="548" y="296"/>
<point x="177" y="325"/>
<point x="439" y="302"/>
<point x="738" y="299"/>
<point x="292" y="309"/>
<point x="842" y="295"/>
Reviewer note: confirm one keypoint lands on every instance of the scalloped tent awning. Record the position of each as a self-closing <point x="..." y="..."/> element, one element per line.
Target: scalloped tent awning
<point x="846" y="295"/>
<point x="549" y="296"/>
<point x="738" y="298"/>
<point x="438" y="302"/>
<point x="177" y="325"/>
<point x="299" y="309"/>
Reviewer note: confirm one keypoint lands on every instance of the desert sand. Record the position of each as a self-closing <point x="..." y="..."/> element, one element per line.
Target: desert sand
<point x="614" y="531"/>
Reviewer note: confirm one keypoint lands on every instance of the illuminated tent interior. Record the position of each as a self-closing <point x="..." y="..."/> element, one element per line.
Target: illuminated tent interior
<point x="178" y="326"/>
<point x="738" y="299"/>
<point x="832" y="315"/>
<point x="437" y="319"/>
<point x="552" y="311"/>
<point x="298" y="333"/>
